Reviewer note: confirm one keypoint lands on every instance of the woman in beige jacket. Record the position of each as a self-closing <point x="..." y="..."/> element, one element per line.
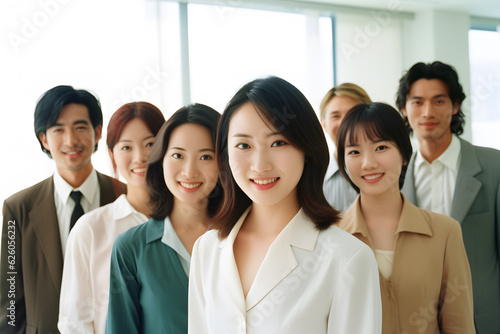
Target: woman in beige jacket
<point x="425" y="278"/>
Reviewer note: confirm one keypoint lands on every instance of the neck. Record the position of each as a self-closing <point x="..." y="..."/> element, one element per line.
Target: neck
<point x="138" y="197"/>
<point x="189" y="215"/>
<point x="75" y="178"/>
<point x="385" y="208"/>
<point x="271" y="219"/>
<point x="431" y="149"/>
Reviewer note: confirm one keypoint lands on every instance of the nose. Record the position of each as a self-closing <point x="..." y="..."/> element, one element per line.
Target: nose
<point x="369" y="161"/>
<point x="190" y="168"/>
<point x="70" y="138"/>
<point x="261" y="162"/>
<point x="427" y="110"/>
<point x="141" y="155"/>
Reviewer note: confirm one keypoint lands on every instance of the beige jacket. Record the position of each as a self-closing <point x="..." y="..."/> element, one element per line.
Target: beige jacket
<point x="430" y="286"/>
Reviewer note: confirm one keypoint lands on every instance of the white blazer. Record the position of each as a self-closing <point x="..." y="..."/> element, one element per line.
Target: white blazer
<point x="310" y="281"/>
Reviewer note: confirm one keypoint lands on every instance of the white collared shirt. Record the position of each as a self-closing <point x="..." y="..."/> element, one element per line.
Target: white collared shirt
<point x="86" y="273"/>
<point x="310" y="281"/>
<point x="435" y="182"/>
<point x="65" y="205"/>
<point x="171" y="239"/>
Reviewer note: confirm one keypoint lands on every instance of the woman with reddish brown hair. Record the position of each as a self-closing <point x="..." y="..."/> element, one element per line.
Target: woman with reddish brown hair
<point x="86" y="274"/>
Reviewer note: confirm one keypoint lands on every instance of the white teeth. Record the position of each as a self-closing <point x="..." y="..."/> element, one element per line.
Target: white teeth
<point x="72" y="153"/>
<point x="372" y="177"/>
<point x="139" y="170"/>
<point x="266" y="181"/>
<point x="190" y="185"/>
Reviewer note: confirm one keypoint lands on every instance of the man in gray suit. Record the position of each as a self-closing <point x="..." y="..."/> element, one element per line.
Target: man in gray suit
<point x="450" y="176"/>
<point x="37" y="220"/>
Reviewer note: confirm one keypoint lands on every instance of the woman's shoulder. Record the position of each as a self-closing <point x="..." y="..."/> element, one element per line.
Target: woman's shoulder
<point x="341" y="243"/>
<point x="139" y="235"/>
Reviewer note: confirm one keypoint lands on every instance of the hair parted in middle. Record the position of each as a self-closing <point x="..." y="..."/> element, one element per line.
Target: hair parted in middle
<point x="378" y="121"/>
<point x="283" y="106"/>
<point x="162" y="199"/>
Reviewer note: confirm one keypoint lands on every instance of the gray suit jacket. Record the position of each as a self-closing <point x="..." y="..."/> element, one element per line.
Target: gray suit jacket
<point x="32" y="260"/>
<point x="476" y="206"/>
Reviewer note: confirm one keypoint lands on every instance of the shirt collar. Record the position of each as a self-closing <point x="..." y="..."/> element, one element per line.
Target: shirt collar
<point x="171" y="239"/>
<point x="333" y="168"/>
<point x="300" y="232"/>
<point x="88" y="188"/>
<point x="122" y="209"/>
<point x="449" y="158"/>
<point x="411" y="220"/>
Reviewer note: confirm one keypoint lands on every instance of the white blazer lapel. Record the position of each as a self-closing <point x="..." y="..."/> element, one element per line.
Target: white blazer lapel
<point x="467" y="186"/>
<point x="230" y="275"/>
<point x="280" y="260"/>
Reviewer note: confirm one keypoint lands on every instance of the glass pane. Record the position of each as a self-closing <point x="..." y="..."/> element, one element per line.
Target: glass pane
<point x="231" y="46"/>
<point x="484" y="53"/>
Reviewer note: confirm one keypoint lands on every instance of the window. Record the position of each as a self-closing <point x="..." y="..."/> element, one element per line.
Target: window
<point x="484" y="54"/>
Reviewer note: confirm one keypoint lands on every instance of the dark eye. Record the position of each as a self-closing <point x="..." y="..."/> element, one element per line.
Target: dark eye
<point x="125" y="148"/>
<point x="353" y="152"/>
<point x="206" y="157"/>
<point x="381" y="147"/>
<point x="149" y="144"/>
<point x="177" y="156"/>
<point x="243" y="146"/>
<point x="278" y="143"/>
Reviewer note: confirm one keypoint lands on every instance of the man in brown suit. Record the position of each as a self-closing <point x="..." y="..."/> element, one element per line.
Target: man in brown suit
<point x="37" y="220"/>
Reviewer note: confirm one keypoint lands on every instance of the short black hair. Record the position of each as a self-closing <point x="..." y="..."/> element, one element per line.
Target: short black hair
<point x="379" y="121"/>
<point x="50" y="104"/>
<point x="290" y="113"/>
<point x="162" y="200"/>
<point x="440" y="71"/>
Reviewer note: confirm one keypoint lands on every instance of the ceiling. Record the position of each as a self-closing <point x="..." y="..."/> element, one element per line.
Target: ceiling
<point x="482" y="8"/>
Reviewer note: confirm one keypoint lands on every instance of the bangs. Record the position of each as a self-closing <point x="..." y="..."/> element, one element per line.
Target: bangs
<point x="369" y="128"/>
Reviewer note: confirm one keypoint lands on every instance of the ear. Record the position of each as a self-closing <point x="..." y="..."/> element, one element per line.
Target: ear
<point x="403" y="110"/>
<point x="323" y="124"/>
<point x="456" y="106"/>
<point x="43" y="138"/>
<point x="98" y="133"/>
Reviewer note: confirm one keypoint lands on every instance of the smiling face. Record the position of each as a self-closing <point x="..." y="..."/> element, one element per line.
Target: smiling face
<point x="189" y="165"/>
<point x="335" y="111"/>
<point x="429" y="110"/>
<point x="264" y="163"/>
<point x="71" y="140"/>
<point x="374" y="166"/>
<point x="132" y="151"/>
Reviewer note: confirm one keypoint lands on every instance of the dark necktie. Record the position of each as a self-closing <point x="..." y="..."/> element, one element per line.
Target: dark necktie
<point x="78" y="210"/>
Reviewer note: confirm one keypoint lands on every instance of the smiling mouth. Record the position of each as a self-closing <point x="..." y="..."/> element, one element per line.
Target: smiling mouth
<point x="267" y="181"/>
<point x="190" y="185"/>
<point x="139" y="170"/>
<point x="373" y="176"/>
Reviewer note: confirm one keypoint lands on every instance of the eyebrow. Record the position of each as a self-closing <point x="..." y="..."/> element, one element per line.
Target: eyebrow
<point x="128" y="140"/>
<point x="201" y="150"/>
<point x="82" y="121"/>
<point x="374" y="141"/>
<point x="243" y="135"/>
<point x="435" y="96"/>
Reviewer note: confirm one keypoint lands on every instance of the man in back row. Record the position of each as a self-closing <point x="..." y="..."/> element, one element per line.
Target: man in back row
<point x="448" y="175"/>
<point x="37" y="220"/>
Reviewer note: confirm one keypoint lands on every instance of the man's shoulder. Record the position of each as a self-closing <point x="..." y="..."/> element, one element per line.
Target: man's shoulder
<point x="31" y="193"/>
<point x="488" y="157"/>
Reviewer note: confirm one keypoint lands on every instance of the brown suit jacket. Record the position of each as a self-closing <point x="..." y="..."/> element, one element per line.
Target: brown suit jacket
<point x="430" y="287"/>
<point x="32" y="260"/>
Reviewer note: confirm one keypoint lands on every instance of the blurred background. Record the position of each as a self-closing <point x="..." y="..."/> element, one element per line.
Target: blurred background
<point x="172" y="53"/>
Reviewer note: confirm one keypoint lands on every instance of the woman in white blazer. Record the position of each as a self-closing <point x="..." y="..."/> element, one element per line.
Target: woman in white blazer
<point x="275" y="261"/>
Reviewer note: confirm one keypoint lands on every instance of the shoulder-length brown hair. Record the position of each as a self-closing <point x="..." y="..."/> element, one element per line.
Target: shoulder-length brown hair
<point x="162" y="199"/>
<point x="286" y="108"/>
